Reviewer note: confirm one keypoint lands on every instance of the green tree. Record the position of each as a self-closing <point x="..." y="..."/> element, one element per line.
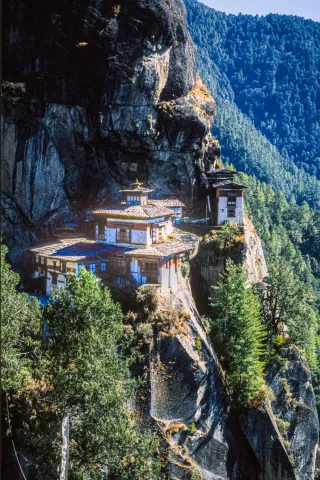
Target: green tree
<point x="287" y="305"/>
<point x="88" y="381"/>
<point x="20" y="324"/>
<point x="238" y="334"/>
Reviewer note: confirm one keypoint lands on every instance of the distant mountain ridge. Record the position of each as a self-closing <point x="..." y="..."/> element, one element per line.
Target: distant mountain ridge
<point x="264" y="75"/>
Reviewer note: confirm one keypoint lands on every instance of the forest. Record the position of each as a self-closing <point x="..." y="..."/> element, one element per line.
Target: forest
<point x="263" y="74"/>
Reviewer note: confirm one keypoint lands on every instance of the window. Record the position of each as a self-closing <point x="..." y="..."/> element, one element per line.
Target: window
<point x="123" y="235"/>
<point x="160" y="234"/>
<point x="133" y="199"/>
<point x="231" y="211"/>
<point x="178" y="263"/>
<point x="231" y="204"/>
<point x="97" y="229"/>
<point x="117" y="280"/>
<point x="150" y="268"/>
<point x="154" y="235"/>
<point x="54" y="264"/>
<point x="37" y="258"/>
<point x="42" y="260"/>
<point x="92" y="267"/>
<point x="63" y="267"/>
<point x="103" y="267"/>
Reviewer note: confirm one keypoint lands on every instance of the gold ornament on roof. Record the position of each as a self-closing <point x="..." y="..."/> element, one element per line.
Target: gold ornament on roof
<point x="138" y="183"/>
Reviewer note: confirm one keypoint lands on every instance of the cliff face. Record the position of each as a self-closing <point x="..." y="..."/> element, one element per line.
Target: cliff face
<point x="210" y="261"/>
<point x="189" y="402"/>
<point x="95" y="95"/>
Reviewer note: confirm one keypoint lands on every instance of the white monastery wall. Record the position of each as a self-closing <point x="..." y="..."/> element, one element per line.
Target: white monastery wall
<point x="223" y="211"/>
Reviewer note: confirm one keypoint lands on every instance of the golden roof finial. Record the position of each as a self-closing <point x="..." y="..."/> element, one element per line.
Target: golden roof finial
<point x="138" y="183"/>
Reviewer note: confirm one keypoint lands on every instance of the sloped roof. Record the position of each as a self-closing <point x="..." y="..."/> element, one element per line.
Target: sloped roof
<point x="136" y="190"/>
<point x="135" y="211"/>
<point x="226" y="183"/>
<point x="166" y="202"/>
<point x="73" y="250"/>
<point x="221" y="171"/>
<point x="160" y="249"/>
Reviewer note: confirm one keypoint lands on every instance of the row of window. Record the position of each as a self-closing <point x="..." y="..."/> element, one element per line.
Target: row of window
<point x="133" y="198"/>
<point x="92" y="267"/>
<point x="123" y="234"/>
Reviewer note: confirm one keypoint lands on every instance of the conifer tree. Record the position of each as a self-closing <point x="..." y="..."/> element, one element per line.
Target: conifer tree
<point x="287" y="308"/>
<point x="238" y="334"/>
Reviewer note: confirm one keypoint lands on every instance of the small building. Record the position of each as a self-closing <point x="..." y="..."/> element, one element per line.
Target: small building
<point x="224" y="197"/>
<point x="134" y="245"/>
<point x="136" y="220"/>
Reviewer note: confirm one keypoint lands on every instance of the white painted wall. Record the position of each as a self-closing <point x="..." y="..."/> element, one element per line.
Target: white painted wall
<point x="223" y="211"/>
<point x="149" y="239"/>
<point x="164" y="278"/>
<point x="139" y="237"/>
<point x="168" y="227"/>
<point x="173" y="280"/>
<point x="135" y="270"/>
<point x="61" y="282"/>
<point x="111" y="236"/>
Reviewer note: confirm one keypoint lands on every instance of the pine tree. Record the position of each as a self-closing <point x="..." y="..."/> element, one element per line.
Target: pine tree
<point x="238" y="334"/>
<point x="287" y="308"/>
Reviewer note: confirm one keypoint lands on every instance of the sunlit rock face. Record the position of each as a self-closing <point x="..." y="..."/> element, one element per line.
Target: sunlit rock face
<point x="95" y="95"/>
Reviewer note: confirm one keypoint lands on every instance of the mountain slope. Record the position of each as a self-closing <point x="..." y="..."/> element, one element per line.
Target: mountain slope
<point x="263" y="74"/>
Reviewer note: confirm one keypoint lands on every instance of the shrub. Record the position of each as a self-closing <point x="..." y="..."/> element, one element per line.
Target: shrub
<point x="198" y="344"/>
<point x="163" y="320"/>
<point x="145" y="331"/>
<point x="283" y="426"/>
<point x="185" y="269"/>
<point x="146" y="300"/>
<point x="192" y="429"/>
<point x="263" y="393"/>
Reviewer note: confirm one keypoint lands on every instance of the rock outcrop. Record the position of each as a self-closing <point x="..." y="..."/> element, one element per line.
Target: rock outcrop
<point x="295" y="410"/>
<point x="189" y="402"/>
<point x="95" y="95"/>
<point x="212" y="255"/>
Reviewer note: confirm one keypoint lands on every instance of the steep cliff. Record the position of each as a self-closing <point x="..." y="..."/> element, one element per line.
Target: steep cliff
<point x="189" y="402"/>
<point x="95" y="95"/>
<point x="245" y="248"/>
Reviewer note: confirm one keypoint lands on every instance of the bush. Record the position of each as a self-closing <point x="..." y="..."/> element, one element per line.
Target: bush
<point x="185" y="269"/>
<point x="263" y="393"/>
<point x="146" y="300"/>
<point x="145" y="332"/>
<point x="163" y="320"/>
<point x="198" y="344"/>
<point x="283" y="426"/>
<point x="192" y="429"/>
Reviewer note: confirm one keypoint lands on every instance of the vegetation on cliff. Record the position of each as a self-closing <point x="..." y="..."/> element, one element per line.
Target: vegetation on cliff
<point x="238" y="334"/>
<point x="77" y="372"/>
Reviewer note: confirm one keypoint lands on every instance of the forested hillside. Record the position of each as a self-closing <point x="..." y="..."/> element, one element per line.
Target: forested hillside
<point x="263" y="74"/>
